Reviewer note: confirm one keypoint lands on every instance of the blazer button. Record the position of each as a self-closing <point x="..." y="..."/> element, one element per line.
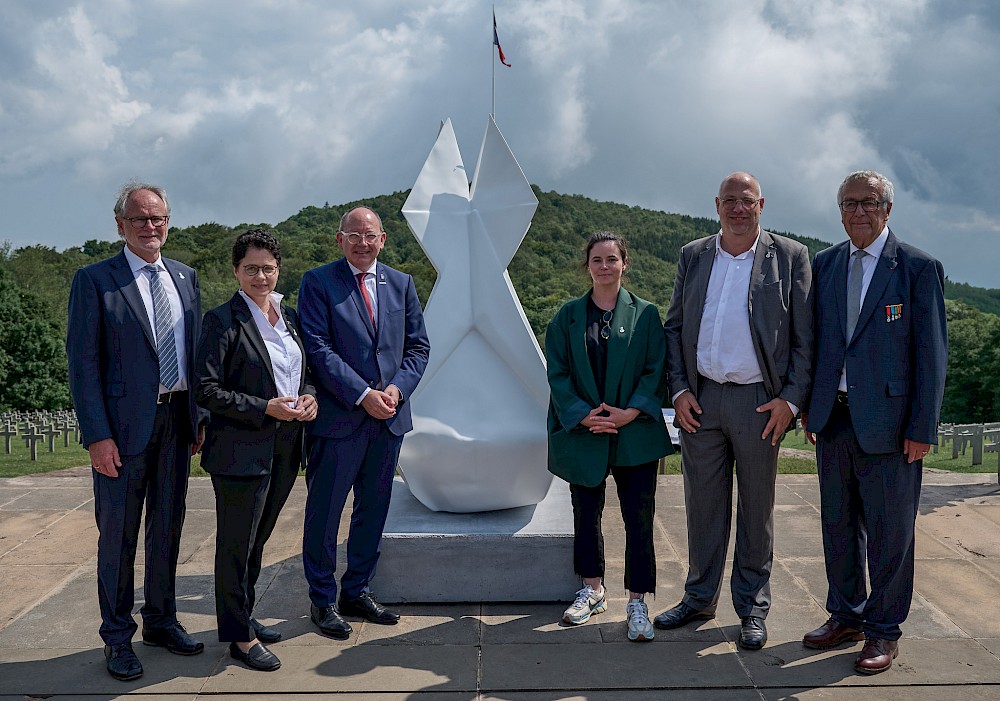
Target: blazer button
<point x="378" y="351"/>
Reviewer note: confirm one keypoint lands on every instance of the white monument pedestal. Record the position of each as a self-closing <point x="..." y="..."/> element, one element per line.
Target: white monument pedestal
<point x="520" y="554"/>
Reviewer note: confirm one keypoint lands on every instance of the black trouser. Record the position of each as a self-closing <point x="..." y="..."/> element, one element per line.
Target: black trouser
<point x="636" y="493"/>
<point x="157" y="479"/>
<point x="246" y="510"/>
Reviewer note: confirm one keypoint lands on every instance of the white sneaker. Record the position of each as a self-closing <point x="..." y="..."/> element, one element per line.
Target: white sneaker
<point x="639" y="627"/>
<point x="587" y="602"/>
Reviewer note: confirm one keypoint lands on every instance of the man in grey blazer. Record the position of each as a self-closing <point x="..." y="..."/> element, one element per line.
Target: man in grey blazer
<point x="739" y="354"/>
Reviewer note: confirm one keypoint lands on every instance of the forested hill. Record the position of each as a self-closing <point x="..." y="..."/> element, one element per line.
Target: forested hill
<point x="546" y="272"/>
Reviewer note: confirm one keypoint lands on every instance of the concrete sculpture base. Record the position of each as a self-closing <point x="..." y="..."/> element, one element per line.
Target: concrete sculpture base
<point x="520" y="554"/>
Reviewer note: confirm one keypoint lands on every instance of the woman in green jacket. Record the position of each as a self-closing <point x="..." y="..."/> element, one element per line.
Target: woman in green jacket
<point x="605" y="353"/>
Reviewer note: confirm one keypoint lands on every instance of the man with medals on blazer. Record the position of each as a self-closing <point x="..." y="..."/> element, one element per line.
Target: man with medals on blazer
<point x="881" y="361"/>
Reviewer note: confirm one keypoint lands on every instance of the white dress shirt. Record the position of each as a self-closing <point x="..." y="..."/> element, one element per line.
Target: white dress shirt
<point x="286" y="357"/>
<point x="868" y="265"/>
<point x="176" y="311"/>
<point x="725" y="346"/>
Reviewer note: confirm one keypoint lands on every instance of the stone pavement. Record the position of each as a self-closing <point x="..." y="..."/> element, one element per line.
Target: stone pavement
<point x="49" y="647"/>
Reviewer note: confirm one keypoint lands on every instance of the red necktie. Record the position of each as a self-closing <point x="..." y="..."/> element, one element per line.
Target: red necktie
<point x="368" y="299"/>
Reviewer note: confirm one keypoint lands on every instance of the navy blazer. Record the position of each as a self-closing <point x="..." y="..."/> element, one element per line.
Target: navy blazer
<point x="234" y="381"/>
<point x="114" y="372"/>
<point x="898" y="357"/>
<point x="346" y="354"/>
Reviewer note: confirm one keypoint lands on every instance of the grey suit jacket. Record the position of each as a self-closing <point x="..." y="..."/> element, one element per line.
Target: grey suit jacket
<point x="781" y="315"/>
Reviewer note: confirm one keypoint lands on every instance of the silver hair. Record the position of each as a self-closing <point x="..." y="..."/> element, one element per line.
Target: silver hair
<point x="348" y="213"/>
<point x="133" y="186"/>
<point x="871" y="177"/>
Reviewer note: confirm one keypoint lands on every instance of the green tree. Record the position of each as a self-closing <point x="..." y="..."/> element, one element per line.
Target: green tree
<point x="33" y="369"/>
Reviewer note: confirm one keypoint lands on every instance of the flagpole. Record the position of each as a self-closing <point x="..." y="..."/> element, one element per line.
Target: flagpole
<point x="493" y="69"/>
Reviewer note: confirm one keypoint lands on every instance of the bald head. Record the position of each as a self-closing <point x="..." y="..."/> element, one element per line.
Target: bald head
<point x="359" y="214"/>
<point x="743" y="180"/>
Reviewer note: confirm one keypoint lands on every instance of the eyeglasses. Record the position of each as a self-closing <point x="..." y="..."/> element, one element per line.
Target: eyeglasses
<point x="140" y="222"/>
<point x="354" y="238"/>
<point x="606" y="329"/>
<point x="731" y="202"/>
<point x="866" y="205"/>
<point x="268" y="270"/>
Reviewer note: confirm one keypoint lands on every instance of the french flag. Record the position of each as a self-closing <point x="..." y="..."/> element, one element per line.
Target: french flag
<point x="496" y="41"/>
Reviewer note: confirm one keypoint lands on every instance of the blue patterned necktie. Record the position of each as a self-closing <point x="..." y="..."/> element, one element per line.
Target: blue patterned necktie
<point x="166" y="347"/>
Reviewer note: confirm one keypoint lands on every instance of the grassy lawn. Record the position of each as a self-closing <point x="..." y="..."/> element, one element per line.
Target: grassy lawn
<point x="802" y="465"/>
<point x="19" y="462"/>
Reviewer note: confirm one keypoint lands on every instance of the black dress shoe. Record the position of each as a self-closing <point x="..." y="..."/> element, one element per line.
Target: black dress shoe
<point x="680" y="615"/>
<point x="365" y="606"/>
<point x="122" y="662"/>
<point x="263" y="633"/>
<point x="753" y="633"/>
<point x="258" y="657"/>
<point x="174" y="638"/>
<point x="329" y="622"/>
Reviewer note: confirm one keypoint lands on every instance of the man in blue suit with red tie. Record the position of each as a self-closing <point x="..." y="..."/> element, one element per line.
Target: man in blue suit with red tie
<point x="134" y="320"/>
<point x="367" y="349"/>
<point x="881" y="357"/>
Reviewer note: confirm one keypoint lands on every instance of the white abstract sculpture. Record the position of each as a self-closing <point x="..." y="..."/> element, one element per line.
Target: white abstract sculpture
<point x="479" y="439"/>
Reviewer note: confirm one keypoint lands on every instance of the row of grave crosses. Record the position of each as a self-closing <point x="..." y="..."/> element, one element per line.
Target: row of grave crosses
<point x="35" y="426"/>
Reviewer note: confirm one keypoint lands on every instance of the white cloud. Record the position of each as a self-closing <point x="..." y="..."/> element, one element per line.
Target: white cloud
<point x="249" y="111"/>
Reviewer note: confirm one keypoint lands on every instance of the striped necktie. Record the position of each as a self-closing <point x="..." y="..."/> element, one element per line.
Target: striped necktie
<point x="367" y="297"/>
<point x="166" y="347"/>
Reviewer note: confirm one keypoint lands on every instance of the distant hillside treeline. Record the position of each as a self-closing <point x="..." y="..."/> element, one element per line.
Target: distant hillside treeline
<point x="547" y="271"/>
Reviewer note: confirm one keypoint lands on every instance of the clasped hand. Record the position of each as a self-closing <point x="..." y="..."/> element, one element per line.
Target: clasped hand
<point x="303" y="408"/>
<point x="381" y="404"/>
<point x="608" y="419"/>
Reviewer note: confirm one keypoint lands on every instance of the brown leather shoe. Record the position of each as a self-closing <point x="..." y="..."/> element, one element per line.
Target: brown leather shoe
<point x="831" y="634"/>
<point x="876" y="656"/>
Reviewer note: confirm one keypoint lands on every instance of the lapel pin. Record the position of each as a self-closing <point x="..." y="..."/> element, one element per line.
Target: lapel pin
<point x="621" y="329"/>
<point x="181" y="276"/>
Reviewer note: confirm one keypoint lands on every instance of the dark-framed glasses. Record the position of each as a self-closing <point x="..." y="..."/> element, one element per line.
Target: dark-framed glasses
<point x="268" y="270"/>
<point x="354" y="238"/>
<point x="606" y="329"/>
<point x="747" y="202"/>
<point x="866" y="205"/>
<point x="140" y="222"/>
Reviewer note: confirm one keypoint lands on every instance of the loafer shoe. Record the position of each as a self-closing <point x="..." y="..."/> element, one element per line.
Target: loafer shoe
<point x="329" y="622"/>
<point x="366" y="607"/>
<point x="830" y="635"/>
<point x="257" y="657"/>
<point x="263" y="633"/>
<point x="680" y="615"/>
<point x="174" y="638"/>
<point x="753" y="633"/>
<point x="876" y="656"/>
<point x="122" y="662"/>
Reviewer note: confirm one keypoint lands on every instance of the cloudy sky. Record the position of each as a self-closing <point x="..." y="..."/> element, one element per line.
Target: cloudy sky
<point x="248" y="111"/>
